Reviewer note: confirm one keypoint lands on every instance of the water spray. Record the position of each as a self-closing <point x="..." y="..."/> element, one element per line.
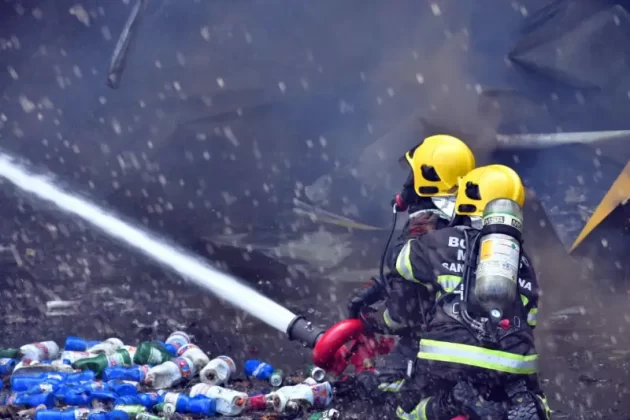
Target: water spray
<point x="158" y="249"/>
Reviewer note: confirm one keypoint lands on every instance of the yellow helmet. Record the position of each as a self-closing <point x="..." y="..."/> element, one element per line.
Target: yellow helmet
<point x="437" y="163"/>
<point x="482" y="185"/>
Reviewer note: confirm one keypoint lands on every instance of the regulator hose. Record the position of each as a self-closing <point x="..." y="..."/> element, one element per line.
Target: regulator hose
<point x="381" y="273"/>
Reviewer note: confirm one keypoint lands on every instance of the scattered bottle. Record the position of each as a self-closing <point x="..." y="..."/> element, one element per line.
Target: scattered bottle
<point x="276" y="378"/>
<point x="315" y="372"/>
<point x="257" y="369"/>
<point x="108" y="346"/>
<point x="97" y="364"/>
<point x="71" y="414"/>
<point x="28" y="400"/>
<point x="218" y="371"/>
<point x="179" y="403"/>
<point x="148" y="400"/>
<point x="120" y="387"/>
<point x="46" y="350"/>
<point x="229" y="402"/>
<point x="325" y="415"/>
<point x="195" y="354"/>
<point x="78" y="344"/>
<point x="309" y="381"/>
<point x="34" y="367"/>
<point x="322" y="395"/>
<point x="44" y="388"/>
<point x="175" y="341"/>
<point x="151" y="353"/>
<point x="112" y="415"/>
<point x="148" y="416"/>
<point x="7" y="365"/>
<point x="69" y="357"/>
<point x="170" y="373"/>
<point x="131" y="410"/>
<point x="258" y="403"/>
<point x="24" y="383"/>
<point x="136" y="373"/>
<point x="10" y="354"/>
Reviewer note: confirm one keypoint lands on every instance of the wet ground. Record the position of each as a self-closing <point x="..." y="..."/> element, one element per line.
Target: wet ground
<point x="49" y="256"/>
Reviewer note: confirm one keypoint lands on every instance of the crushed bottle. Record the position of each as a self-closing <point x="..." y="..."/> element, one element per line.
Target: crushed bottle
<point x="218" y="371"/>
<point x="170" y="373"/>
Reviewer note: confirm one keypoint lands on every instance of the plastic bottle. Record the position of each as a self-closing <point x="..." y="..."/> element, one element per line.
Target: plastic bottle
<point x="98" y="363"/>
<point x="24" y="383"/>
<point x="132" y="410"/>
<point x="195" y="354"/>
<point x="151" y="353"/>
<point x="44" y="388"/>
<point x="72" y="414"/>
<point x="80" y="413"/>
<point x="31" y="400"/>
<point x="7" y="366"/>
<point x="108" y="346"/>
<point x="10" y="354"/>
<point x="170" y="373"/>
<point x="218" y="371"/>
<point x="180" y="403"/>
<point x="301" y="393"/>
<point x="322" y="395"/>
<point x="69" y="357"/>
<point x="315" y="372"/>
<point x="228" y="401"/>
<point x="148" y="416"/>
<point x="257" y="369"/>
<point x="34" y="367"/>
<point x="74" y="397"/>
<point x="136" y="373"/>
<point x="175" y="341"/>
<point x="149" y="399"/>
<point x="258" y="403"/>
<point x="112" y="415"/>
<point x="120" y="387"/>
<point x="78" y="344"/>
<point x="46" y="350"/>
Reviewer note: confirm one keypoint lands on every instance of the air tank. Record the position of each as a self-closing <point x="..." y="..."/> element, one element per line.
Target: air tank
<point x="496" y="283"/>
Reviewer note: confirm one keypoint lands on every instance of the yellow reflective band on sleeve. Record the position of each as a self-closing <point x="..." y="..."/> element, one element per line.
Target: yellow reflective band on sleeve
<point x="448" y="282"/>
<point x="418" y="413"/>
<point x="525" y="300"/>
<point x="391" y="387"/>
<point x="403" y="263"/>
<point x="389" y="321"/>
<point x="531" y="317"/>
<point x="464" y="354"/>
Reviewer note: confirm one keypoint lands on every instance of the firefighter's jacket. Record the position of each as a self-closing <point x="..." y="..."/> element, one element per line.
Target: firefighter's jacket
<point x="431" y="266"/>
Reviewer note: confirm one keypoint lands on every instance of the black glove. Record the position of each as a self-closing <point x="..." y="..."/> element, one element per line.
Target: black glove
<point x="365" y="297"/>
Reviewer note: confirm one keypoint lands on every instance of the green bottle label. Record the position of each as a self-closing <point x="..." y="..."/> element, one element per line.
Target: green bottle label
<point x="155" y="357"/>
<point x="119" y="358"/>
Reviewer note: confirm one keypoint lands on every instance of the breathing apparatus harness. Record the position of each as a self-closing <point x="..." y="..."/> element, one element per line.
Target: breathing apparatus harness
<point x="484" y="263"/>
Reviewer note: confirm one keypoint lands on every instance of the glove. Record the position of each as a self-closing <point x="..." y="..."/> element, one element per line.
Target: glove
<point x="368" y="295"/>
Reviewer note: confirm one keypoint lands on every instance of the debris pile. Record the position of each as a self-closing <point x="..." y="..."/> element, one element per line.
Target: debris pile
<point x="174" y="379"/>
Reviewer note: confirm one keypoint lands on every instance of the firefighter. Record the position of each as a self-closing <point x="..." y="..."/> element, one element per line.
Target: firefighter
<point x="456" y="370"/>
<point x="436" y="165"/>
